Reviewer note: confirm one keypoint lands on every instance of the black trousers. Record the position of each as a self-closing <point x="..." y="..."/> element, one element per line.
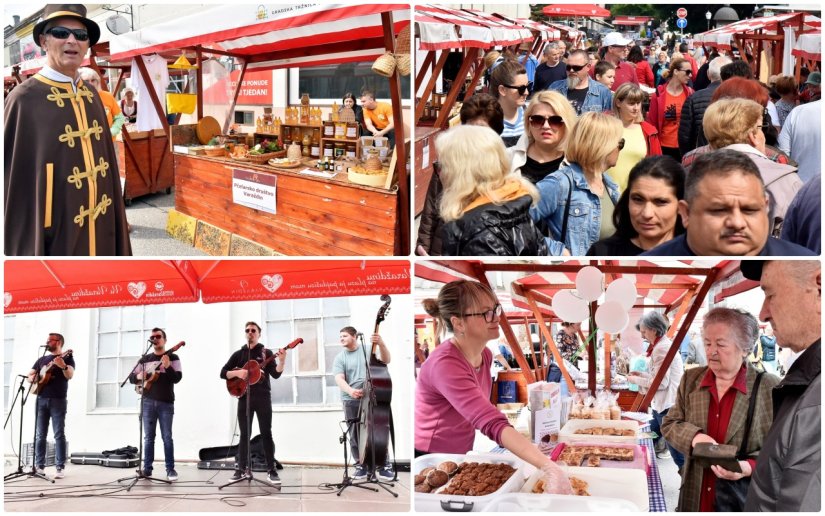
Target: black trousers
<point x="262" y="407"/>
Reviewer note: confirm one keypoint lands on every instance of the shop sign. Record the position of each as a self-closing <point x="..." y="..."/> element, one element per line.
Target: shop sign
<point x="256" y="88"/>
<point x="254" y="190"/>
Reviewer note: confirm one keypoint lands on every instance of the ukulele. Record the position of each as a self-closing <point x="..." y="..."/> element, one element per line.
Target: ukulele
<point x="237" y="386"/>
<point x="45" y="375"/>
<point x="375" y="404"/>
<point x="151" y="372"/>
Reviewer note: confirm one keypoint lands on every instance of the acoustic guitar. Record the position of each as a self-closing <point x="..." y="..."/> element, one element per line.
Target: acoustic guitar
<point x="374" y="421"/>
<point x="151" y="370"/>
<point x="44" y="376"/>
<point x="237" y="386"/>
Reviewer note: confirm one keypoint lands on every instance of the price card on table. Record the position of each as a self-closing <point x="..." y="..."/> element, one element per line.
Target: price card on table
<point x="254" y="190"/>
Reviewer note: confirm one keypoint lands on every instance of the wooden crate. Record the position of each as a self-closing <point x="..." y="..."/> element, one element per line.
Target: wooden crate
<point x="145" y="161"/>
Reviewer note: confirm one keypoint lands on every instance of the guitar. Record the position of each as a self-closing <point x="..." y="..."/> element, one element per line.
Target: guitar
<point x="44" y="376"/>
<point x="151" y="372"/>
<point x="237" y="386"/>
<point x="375" y="415"/>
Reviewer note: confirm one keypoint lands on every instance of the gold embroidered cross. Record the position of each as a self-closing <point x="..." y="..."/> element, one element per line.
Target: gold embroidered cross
<point x="77" y="176"/>
<point x="93" y="212"/>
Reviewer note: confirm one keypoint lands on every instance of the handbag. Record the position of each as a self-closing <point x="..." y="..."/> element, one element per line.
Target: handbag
<point x="731" y="494"/>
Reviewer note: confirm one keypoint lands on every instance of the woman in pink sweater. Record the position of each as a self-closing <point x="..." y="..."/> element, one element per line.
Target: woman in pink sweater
<point x="452" y="397"/>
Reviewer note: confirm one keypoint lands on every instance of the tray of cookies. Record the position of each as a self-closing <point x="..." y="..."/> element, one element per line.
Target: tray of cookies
<point x="599" y="430"/>
<point x="463" y="483"/>
<point x="602" y="455"/>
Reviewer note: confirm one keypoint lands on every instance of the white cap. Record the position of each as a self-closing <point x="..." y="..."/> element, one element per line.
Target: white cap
<point x="614" y="38"/>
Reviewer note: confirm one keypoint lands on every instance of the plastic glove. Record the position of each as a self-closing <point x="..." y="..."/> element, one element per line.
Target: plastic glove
<point x="555" y="479"/>
<point x="117" y="124"/>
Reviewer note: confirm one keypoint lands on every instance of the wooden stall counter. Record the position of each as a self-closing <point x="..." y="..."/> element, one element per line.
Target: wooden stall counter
<point x="314" y="216"/>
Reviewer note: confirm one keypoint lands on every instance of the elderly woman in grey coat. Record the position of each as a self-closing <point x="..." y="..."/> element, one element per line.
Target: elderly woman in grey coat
<point x="712" y="405"/>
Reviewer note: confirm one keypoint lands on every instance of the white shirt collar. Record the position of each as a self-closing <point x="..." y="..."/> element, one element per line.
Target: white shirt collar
<point x="54" y="75"/>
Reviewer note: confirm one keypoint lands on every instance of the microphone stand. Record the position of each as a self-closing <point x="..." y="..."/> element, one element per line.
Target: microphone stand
<point x="21" y="393"/>
<point x="139" y="475"/>
<point x="347" y="480"/>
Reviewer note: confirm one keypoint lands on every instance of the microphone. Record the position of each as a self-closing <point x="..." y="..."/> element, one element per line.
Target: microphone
<point x="43" y="346"/>
<point x="359" y="334"/>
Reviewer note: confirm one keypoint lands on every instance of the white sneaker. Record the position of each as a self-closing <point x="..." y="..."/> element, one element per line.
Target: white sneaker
<point x="60" y="473"/>
<point x="40" y="471"/>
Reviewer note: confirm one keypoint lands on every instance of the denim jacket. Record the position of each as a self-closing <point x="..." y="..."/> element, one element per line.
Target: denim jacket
<point x="584" y="220"/>
<point x="599" y="98"/>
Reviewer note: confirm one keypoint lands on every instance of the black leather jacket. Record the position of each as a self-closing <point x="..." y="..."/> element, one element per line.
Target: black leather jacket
<point x="491" y="230"/>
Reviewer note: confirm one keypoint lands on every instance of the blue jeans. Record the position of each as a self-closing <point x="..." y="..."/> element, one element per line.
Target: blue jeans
<point x="54" y="409"/>
<point x="154" y="411"/>
<point x="658" y="417"/>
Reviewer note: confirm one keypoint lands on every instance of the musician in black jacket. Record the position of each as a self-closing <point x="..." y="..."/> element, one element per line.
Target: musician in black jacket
<point x="51" y="403"/>
<point x="350" y="370"/>
<point x="158" y="401"/>
<point x="260" y="402"/>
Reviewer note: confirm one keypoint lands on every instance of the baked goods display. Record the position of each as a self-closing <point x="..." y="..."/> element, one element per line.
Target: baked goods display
<point x="578" y="485"/>
<point x="437" y="478"/>
<point x="597" y="430"/>
<point x="478" y="479"/>
<point x="573" y="455"/>
<point x="449" y="467"/>
<point x="602" y="406"/>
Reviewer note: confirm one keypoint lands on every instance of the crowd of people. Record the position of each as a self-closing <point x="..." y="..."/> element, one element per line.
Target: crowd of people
<point x="617" y="149"/>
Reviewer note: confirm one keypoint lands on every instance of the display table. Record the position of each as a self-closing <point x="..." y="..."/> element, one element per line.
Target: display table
<point x="315" y="216"/>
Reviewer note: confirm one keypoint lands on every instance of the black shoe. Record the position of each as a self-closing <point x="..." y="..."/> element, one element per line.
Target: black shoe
<point x="273" y="477"/>
<point x="237" y="474"/>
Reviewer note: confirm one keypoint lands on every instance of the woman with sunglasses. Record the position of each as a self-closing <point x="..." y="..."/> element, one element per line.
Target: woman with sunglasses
<point x="666" y="105"/>
<point x="485" y="208"/>
<point x="576" y="203"/>
<point x="647" y="212"/>
<point x="550" y="118"/>
<point x="640" y="138"/>
<point x="452" y="395"/>
<point x="510" y="86"/>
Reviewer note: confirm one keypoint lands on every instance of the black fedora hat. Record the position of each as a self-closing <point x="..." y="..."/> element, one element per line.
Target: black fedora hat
<point x="752" y="269"/>
<point x="77" y="11"/>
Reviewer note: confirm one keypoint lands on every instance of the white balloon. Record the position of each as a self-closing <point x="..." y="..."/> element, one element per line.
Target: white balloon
<point x="569" y="307"/>
<point x="589" y="283"/>
<point x="611" y="317"/>
<point x="622" y="290"/>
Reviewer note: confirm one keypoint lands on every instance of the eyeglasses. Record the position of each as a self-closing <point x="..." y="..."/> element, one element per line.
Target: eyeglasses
<point x="538" y="121"/>
<point x="63" y="33"/>
<point x="620" y="146"/>
<point x="251" y="330"/>
<point x="155" y="337"/>
<point x="687" y="72"/>
<point x="575" y="68"/>
<point x="522" y="90"/>
<point x="489" y="315"/>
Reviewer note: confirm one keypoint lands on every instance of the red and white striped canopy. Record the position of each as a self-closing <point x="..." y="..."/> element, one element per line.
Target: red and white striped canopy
<point x="441" y="28"/>
<point x="503" y="33"/>
<point x="272" y="36"/>
<point x="546" y="31"/>
<point x="809" y="46"/>
<point x="723" y="36"/>
<point x="510" y="31"/>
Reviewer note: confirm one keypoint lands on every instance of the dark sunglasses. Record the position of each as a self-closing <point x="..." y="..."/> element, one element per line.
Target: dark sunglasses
<point x="687" y="72"/>
<point x="489" y="315"/>
<point x="251" y="330"/>
<point x="522" y="90"/>
<point x="620" y="146"/>
<point x="155" y="337"/>
<point x="576" y="68"/>
<point x="63" y="33"/>
<point x="538" y="121"/>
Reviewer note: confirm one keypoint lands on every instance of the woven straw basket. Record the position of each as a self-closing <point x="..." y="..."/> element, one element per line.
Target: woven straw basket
<point x="402" y="41"/>
<point x="403" y="63"/>
<point x="384" y="65"/>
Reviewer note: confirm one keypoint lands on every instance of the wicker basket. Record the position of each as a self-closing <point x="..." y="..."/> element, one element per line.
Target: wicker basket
<point x="403" y="63"/>
<point x="261" y="158"/>
<point x="216" y="153"/>
<point x="384" y="65"/>
<point x="402" y="41"/>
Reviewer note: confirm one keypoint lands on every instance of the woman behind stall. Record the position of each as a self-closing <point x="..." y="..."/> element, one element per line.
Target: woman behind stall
<point x="576" y="202"/>
<point x="452" y="396"/>
<point x="485" y="208"/>
<point x="640" y="138"/>
<point x="480" y="109"/>
<point x="712" y="405"/>
<point x="647" y="212"/>
<point x="128" y="105"/>
<point x="549" y="119"/>
<point x="349" y="101"/>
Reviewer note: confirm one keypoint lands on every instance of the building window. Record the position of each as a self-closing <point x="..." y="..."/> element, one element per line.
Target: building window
<point x="327" y="84"/>
<point x="245" y="117"/>
<point x="122" y="333"/>
<point x="8" y="356"/>
<point x="307" y="380"/>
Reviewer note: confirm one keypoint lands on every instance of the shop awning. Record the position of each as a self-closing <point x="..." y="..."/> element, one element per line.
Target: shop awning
<point x="272" y="36"/>
<point x="587" y="10"/>
<point x="439" y="29"/>
<point x="809" y="46"/>
<point x="503" y="34"/>
<point x="631" y="20"/>
<point x="547" y="32"/>
<point x="515" y="33"/>
<point x="40" y="285"/>
<point x="772" y="25"/>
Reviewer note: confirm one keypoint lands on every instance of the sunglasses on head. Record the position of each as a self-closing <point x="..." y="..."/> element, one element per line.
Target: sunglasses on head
<point x="538" y="121"/>
<point x="576" y="68"/>
<point x="522" y="90"/>
<point x="63" y="33"/>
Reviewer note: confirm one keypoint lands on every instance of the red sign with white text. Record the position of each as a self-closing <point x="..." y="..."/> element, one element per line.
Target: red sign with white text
<point x="256" y="88"/>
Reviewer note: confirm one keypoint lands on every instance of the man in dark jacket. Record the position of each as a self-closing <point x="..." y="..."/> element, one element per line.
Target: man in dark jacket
<point x="691" y="134"/>
<point x="788" y="472"/>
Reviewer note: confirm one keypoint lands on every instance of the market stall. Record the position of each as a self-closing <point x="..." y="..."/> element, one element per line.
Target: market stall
<point x="289" y="206"/>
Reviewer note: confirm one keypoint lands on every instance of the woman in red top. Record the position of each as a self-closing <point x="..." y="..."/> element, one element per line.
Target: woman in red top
<point x="643" y="71"/>
<point x="666" y="106"/>
<point x="712" y="406"/>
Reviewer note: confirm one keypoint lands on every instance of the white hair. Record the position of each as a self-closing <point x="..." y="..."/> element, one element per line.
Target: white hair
<point x="715" y="68"/>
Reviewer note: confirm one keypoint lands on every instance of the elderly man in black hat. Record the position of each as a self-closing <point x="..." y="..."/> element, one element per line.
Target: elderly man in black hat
<point x="789" y="468"/>
<point x="62" y="188"/>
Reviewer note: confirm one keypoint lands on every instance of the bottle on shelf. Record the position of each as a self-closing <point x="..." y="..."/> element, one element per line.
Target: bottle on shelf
<point x="306" y="143"/>
<point x="315" y="148"/>
<point x="259" y="125"/>
<point x="334" y="115"/>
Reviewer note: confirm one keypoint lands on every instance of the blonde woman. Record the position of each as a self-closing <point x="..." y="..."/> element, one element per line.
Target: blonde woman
<point x="548" y="121"/>
<point x="576" y="203"/>
<point x="641" y="139"/>
<point x="485" y="208"/>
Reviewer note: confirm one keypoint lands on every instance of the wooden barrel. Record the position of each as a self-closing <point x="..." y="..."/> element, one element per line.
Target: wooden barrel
<point x="521" y="383"/>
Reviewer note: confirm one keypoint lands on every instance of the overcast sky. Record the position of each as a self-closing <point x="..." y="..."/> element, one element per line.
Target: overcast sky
<point x="23" y="10"/>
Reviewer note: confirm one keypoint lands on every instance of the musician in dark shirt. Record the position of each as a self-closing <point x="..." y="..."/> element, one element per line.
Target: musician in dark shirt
<point x="260" y="402"/>
<point x="51" y="402"/>
<point x="350" y="370"/>
<point x="158" y="401"/>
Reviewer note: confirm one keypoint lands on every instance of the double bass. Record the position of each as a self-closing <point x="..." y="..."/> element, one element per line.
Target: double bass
<point x="237" y="386"/>
<point x="375" y="413"/>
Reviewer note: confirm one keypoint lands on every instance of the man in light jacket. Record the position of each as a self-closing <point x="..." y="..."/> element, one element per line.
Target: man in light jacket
<point x="788" y="474"/>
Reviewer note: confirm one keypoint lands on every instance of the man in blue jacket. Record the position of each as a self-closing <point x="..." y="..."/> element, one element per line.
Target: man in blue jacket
<point x="584" y="94"/>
